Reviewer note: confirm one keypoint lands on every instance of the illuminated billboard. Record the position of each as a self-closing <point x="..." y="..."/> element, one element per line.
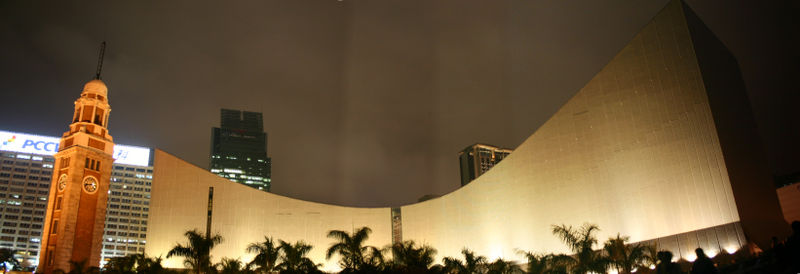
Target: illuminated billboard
<point x="48" y="145"/>
<point x="131" y="155"/>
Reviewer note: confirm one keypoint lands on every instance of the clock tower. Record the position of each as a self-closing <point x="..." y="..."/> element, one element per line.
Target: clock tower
<point x="76" y="209"/>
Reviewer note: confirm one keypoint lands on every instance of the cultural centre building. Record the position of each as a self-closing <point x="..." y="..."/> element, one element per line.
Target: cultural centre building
<point x="660" y="145"/>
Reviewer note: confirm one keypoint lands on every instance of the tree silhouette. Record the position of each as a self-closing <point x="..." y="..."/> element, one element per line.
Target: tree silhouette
<point x="7" y="256"/>
<point x="581" y="242"/>
<point x="625" y="257"/>
<point x="651" y="254"/>
<point x="409" y="258"/>
<point x="355" y="256"/>
<point x="472" y="264"/>
<point x="197" y="254"/>
<point x="121" y="265"/>
<point x="501" y="266"/>
<point x="294" y="260"/>
<point x="149" y="265"/>
<point x="267" y="253"/>
<point x="547" y="264"/>
<point x="230" y="266"/>
<point x="134" y="263"/>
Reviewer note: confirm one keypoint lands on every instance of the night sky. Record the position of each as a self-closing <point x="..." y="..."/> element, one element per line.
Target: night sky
<point x="366" y="103"/>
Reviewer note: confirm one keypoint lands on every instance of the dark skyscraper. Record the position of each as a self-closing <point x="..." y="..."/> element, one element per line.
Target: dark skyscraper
<point x="479" y="158"/>
<point x="239" y="149"/>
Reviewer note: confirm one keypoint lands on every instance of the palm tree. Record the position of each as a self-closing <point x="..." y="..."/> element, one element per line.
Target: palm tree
<point x="581" y="242"/>
<point x="197" y="254"/>
<point x="134" y="263"/>
<point x="355" y="257"/>
<point x="407" y="257"/>
<point x="548" y="264"/>
<point x="374" y="260"/>
<point x="625" y="257"/>
<point x="121" y="265"/>
<point x="230" y="266"/>
<point x="267" y="255"/>
<point x="7" y="256"/>
<point x="651" y="254"/>
<point x="437" y="269"/>
<point x="471" y="265"/>
<point x="149" y="265"/>
<point x="501" y="266"/>
<point x="294" y="260"/>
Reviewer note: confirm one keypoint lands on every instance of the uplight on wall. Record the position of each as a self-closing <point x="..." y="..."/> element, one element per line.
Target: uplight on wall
<point x="731" y="249"/>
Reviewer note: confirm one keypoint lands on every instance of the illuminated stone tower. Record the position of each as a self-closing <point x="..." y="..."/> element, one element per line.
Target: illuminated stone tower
<point x="76" y="210"/>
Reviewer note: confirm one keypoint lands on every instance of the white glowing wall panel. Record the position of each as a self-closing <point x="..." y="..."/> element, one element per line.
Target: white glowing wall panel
<point x="243" y="215"/>
<point x="635" y="152"/>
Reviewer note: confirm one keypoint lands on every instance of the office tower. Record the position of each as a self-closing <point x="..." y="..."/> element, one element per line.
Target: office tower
<point x="128" y="208"/>
<point x="476" y="159"/>
<point x="24" y="186"/>
<point x="26" y="162"/>
<point x="239" y="149"/>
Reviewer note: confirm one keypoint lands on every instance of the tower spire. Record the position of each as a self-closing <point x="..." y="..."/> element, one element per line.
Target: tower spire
<point x="79" y="189"/>
<point x="100" y="60"/>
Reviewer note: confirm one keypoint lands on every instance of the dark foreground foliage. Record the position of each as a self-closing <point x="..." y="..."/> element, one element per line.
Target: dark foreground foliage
<point x="615" y="255"/>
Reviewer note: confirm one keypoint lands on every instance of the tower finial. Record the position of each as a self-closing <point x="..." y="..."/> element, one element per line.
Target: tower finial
<point x="100" y="60"/>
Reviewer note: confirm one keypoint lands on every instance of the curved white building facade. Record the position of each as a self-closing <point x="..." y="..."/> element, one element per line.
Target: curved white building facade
<point x="659" y="146"/>
<point x="243" y="215"/>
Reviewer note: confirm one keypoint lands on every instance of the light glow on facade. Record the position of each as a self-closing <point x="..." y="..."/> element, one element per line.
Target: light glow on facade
<point x="636" y="152"/>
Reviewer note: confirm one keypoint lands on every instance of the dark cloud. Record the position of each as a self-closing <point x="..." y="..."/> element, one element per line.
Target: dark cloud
<point x="365" y="102"/>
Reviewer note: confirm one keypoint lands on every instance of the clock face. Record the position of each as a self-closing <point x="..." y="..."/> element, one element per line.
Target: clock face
<point x="90" y="184"/>
<point x="62" y="182"/>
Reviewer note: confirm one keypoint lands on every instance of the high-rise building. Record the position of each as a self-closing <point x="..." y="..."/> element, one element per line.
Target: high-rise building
<point x="128" y="208"/>
<point x="476" y="159"/>
<point x="24" y="185"/>
<point x="239" y="149"/>
<point x="26" y="163"/>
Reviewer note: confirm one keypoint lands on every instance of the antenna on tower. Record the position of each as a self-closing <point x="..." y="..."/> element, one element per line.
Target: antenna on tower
<point x="100" y="60"/>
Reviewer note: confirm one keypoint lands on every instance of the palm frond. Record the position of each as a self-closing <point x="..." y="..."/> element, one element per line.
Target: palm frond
<point x="362" y="234"/>
<point x="339" y="235"/>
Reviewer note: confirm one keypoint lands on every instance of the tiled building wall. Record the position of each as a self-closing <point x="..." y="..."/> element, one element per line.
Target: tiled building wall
<point x="727" y="238"/>
<point x="789" y="197"/>
<point x="243" y="215"/>
<point x="635" y="151"/>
